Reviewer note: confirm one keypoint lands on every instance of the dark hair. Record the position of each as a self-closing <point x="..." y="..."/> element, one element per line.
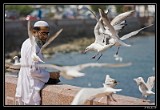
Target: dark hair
<point x="36" y="28"/>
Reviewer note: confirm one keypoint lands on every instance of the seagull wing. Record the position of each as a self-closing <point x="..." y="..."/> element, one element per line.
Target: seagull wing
<point x="49" y="66"/>
<point x="143" y="86"/>
<point x="93" y="13"/>
<point x="83" y="66"/>
<point x="30" y="33"/>
<point x="121" y="17"/>
<point x="51" y="39"/>
<point x="33" y="43"/>
<point x="119" y="26"/>
<point x="133" y="33"/>
<point x="100" y="37"/>
<point x="150" y="82"/>
<point x="111" y="28"/>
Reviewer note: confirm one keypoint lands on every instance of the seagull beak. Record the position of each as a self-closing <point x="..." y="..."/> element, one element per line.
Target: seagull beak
<point x="116" y="82"/>
<point x="135" y="79"/>
<point x="83" y="52"/>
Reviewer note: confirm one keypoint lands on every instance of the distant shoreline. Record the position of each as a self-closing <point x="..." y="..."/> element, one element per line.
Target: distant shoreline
<point x="77" y="45"/>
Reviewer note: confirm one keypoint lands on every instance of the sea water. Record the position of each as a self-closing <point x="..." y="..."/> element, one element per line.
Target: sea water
<point x="141" y="54"/>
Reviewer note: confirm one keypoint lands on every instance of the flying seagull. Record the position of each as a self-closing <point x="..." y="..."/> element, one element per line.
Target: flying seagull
<point x="34" y="44"/>
<point x="70" y="72"/>
<point x="115" y="39"/>
<point x="103" y="39"/>
<point x="145" y="88"/>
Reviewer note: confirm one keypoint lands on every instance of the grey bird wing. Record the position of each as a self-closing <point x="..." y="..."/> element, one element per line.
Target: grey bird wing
<point x="49" y="66"/>
<point x="111" y="28"/>
<point x="83" y="66"/>
<point x="99" y="38"/>
<point x="133" y="33"/>
<point x="150" y="82"/>
<point x="121" y="17"/>
<point x="93" y="14"/>
<point x="51" y="39"/>
<point x="143" y="86"/>
<point x="120" y="26"/>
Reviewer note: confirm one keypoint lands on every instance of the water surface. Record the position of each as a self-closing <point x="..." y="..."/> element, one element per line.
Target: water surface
<point x="141" y="54"/>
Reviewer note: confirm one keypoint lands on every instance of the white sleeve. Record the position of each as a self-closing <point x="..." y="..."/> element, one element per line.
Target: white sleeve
<point x="37" y="73"/>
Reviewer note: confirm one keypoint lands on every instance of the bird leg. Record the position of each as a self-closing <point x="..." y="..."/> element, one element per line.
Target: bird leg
<point x="108" y="99"/>
<point x="100" y="99"/>
<point x="92" y="100"/>
<point x="99" y="57"/>
<point x="95" y="56"/>
<point x="117" y="50"/>
<point x="113" y="98"/>
<point x="145" y="100"/>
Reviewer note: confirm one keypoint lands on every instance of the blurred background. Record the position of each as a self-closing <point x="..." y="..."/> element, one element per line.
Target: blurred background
<point x="69" y="17"/>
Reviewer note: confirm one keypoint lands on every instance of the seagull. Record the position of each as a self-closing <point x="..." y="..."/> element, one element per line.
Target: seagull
<point x="86" y="93"/>
<point x="103" y="39"/>
<point x="115" y="39"/>
<point x="110" y="82"/>
<point x="51" y="39"/>
<point x="98" y="45"/>
<point x="70" y="72"/>
<point x="34" y="44"/>
<point x="113" y="34"/>
<point x="145" y="88"/>
<point x="14" y="68"/>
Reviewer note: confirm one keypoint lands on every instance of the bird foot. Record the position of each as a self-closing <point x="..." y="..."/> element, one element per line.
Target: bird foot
<point x="146" y="100"/>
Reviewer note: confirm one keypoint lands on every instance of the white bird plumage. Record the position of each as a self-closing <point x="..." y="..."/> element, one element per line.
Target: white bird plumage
<point x="113" y="33"/>
<point x="145" y="88"/>
<point x="86" y="93"/>
<point x="14" y="68"/>
<point x="103" y="36"/>
<point x="70" y="72"/>
<point x="110" y="82"/>
<point x="34" y="44"/>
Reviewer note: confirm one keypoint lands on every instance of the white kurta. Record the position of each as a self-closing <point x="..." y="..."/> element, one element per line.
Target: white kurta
<point x="31" y="80"/>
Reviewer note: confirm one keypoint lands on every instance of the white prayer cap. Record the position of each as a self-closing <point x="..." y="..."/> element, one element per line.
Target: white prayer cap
<point x="41" y="23"/>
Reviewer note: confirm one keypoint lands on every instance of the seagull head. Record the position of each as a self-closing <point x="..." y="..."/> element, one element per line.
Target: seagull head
<point x="15" y="57"/>
<point x="86" y="50"/>
<point x="138" y="80"/>
<point x="110" y="81"/>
